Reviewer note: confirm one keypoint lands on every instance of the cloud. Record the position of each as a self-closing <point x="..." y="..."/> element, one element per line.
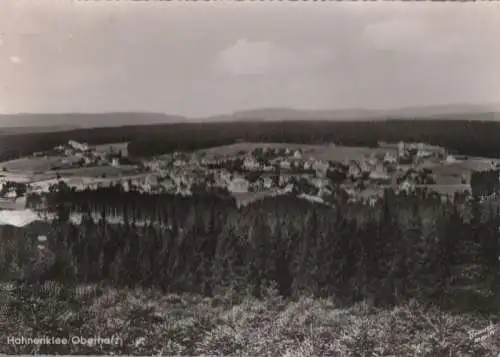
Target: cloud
<point x="390" y="34"/>
<point x="15" y="59"/>
<point x="259" y="58"/>
<point x="410" y="36"/>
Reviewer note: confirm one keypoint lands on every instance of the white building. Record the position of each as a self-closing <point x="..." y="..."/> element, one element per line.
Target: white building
<point x="11" y="194"/>
<point x="250" y="163"/>
<point x="450" y="159"/>
<point x="390" y="158"/>
<point x="179" y="163"/>
<point x="78" y="146"/>
<point x="320" y="183"/>
<point x="267" y="182"/>
<point x="379" y="174"/>
<point x="286" y="165"/>
<point x="238" y="185"/>
<point x="401" y="148"/>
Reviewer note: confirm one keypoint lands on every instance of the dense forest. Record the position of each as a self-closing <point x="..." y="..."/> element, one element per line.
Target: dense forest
<point x="476" y="138"/>
<point x="408" y="246"/>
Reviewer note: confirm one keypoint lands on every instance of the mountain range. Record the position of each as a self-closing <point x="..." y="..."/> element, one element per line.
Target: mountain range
<point x="31" y="122"/>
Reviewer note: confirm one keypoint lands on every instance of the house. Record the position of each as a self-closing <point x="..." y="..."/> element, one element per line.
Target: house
<point x="321" y="166"/>
<point x="390" y="158"/>
<point x="379" y="175"/>
<point x="250" y="163"/>
<point x="285" y="179"/>
<point x="450" y="159"/>
<point x="308" y="165"/>
<point x="238" y="185"/>
<point x="3" y="180"/>
<point x="406" y="186"/>
<point x="78" y="146"/>
<point x="297" y="154"/>
<point x="11" y="193"/>
<point x="320" y="183"/>
<point x="267" y="182"/>
<point x="285" y="165"/>
<point x="153" y="165"/>
<point x="324" y="192"/>
<point x="115" y="162"/>
<point x="364" y="166"/>
<point x="179" y="163"/>
<point x="401" y="149"/>
<point x="354" y="170"/>
<point x="424" y="154"/>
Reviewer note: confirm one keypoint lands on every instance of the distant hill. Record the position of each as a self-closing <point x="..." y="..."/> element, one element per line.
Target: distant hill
<point x="12" y="130"/>
<point x="34" y="123"/>
<point x="42" y="122"/>
<point x="467" y="112"/>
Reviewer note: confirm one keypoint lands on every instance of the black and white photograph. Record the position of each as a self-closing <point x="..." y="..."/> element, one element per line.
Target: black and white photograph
<point x="243" y="178"/>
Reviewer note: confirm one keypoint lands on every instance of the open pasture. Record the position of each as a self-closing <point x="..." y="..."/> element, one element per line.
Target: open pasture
<point x="98" y="171"/>
<point x="318" y="152"/>
<point x="462" y="167"/>
<point x="31" y="164"/>
<point x="343" y="153"/>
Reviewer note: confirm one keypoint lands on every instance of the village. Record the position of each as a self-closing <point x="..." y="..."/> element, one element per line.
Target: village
<point x="249" y="171"/>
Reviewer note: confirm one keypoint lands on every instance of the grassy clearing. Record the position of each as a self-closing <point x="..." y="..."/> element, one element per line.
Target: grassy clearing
<point x="319" y="152"/>
<point x="148" y="322"/>
<point x="31" y="164"/>
<point x="98" y="171"/>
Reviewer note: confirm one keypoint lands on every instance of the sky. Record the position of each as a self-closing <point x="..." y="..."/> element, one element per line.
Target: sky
<point x="206" y="58"/>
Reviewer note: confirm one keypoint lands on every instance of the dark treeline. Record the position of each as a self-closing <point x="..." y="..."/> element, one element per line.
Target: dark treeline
<point x="477" y="138"/>
<point x="405" y="247"/>
<point x="459" y="136"/>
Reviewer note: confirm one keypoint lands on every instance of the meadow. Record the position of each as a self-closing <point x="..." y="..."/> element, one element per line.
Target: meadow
<point x="319" y="152"/>
<point x="32" y="164"/>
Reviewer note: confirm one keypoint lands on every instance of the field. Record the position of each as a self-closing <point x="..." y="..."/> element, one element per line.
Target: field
<point x="12" y="204"/>
<point x="98" y="171"/>
<point x="460" y="167"/>
<point x="147" y="322"/>
<point x="319" y="152"/>
<point x="31" y="164"/>
<point x="38" y="169"/>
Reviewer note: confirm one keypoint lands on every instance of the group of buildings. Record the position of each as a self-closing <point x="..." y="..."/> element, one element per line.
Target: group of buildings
<point x="271" y="170"/>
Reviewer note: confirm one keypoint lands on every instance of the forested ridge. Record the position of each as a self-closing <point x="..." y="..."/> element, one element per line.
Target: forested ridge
<point x="476" y="138"/>
<point x="414" y="246"/>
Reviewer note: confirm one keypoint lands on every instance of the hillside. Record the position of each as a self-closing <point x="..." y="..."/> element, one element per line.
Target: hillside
<point x="18" y="123"/>
<point x="466" y="112"/>
<point x="39" y="122"/>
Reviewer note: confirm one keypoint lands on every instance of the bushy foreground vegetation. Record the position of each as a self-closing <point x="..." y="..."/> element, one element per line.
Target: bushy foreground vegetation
<point x="148" y="322"/>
